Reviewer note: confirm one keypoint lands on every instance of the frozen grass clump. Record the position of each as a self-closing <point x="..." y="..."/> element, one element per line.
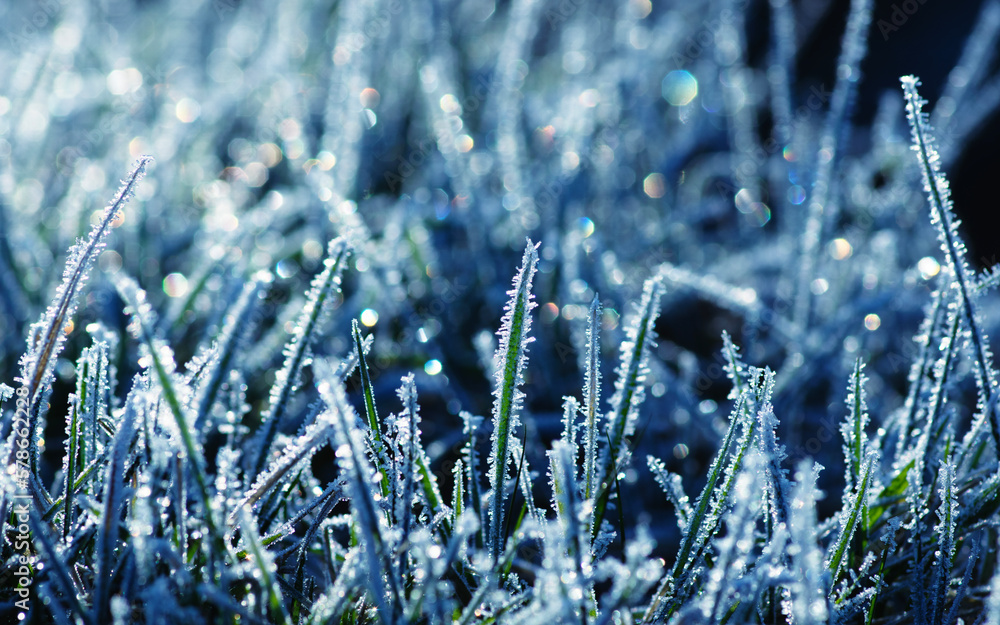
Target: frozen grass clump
<point x="474" y="313"/>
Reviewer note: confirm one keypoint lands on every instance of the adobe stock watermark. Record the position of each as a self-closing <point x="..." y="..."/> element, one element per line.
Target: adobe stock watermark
<point x="751" y="161"/>
<point x="707" y="33"/>
<point x="382" y="362"/>
<point x="898" y="16"/>
<point x="21" y="503"/>
<point x="43" y="14"/>
<point x="550" y="194"/>
<point x="409" y="164"/>
<point x="110" y="126"/>
<point x="562" y="11"/>
<point x="225" y="8"/>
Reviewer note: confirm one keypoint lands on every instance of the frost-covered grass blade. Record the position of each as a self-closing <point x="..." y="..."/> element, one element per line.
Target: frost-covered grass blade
<point x="48" y="335"/>
<point x="942" y="216"/>
<point x="511" y="358"/>
<point x="324" y="289"/>
<point x="629" y="392"/>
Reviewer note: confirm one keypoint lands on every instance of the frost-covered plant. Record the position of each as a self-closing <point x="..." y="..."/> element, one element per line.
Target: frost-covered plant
<point x="283" y="376"/>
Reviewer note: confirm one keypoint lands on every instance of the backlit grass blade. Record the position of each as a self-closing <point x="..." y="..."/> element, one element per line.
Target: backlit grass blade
<point x="963" y="280"/>
<point x="591" y="400"/>
<point x="853" y="428"/>
<point x="571" y="408"/>
<point x="408" y="397"/>
<point x="366" y="383"/>
<point x="629" y="392"/>
<point x="429" y="485"/>
<point x="114" y="487"/>
<point x="457" y="492"/>
<point x="324" y="290"/>
<point x="294" y="455"/>
<point x="706" y="514"/>
<point x="510" y="359"/>
<point x="774" y="454"/>
<point x="671" y="485"/>
<point x="354" y="466"/>
<point x="160" y="359"/>
<point x="48" y="335"/>
<point x="852" y="517"/>
<point x="374" y="424"/>
<point x="693" y="535"/>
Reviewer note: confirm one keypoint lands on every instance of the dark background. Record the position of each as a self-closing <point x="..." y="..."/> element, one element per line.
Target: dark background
<point x="928" y="44"/>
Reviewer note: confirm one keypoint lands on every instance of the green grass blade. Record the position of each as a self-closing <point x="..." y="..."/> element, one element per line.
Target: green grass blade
<point x="629" y="391"/>
<point x="457" y="492"/>
<point x="323" y="291"/>
<point x="894" y="492"/>
<point x="374" y="424"/>
<point x="355" y="467"/>
<point x="853" y="428"/>
<point x="294" y="455"/>
<point x="161" y="364"/>
<point x="592" y="398"/>
<point x="511" y="358"/>
<point x="852" y="519"/>
<point x="49" y="333"/>
<point x="265" y="568"/>
<point x="939" y="198"/>
<point x="697" y="517"/>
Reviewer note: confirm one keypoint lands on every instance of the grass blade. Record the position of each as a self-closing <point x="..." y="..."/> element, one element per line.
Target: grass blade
<point x="690" y="543"/>
<point x="291" y="459"/>
<point x="374" y="424"/>
<point x="408" y="397"/>
<point x="325" y="288"/>
<point x="939" y="198"/>
<point x="809" y="604"/>
<point x="264" y="567"/>
<point x="58" y="571"/>
<point x="355" y="467"/>
<point x="175" y="395"/>
<point x="510" y="359"/>
<point x="822" y="211"/>
<point x="235" y="327"/>
<point x="48" y="335"/>
<point x="851" y="518"/>
<point x="592" y="397"/>
<point x="945" y="531"/>
<point x="114" y="487"/>
<point x="629" y="391"/>
<point x="853" y="428"/>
